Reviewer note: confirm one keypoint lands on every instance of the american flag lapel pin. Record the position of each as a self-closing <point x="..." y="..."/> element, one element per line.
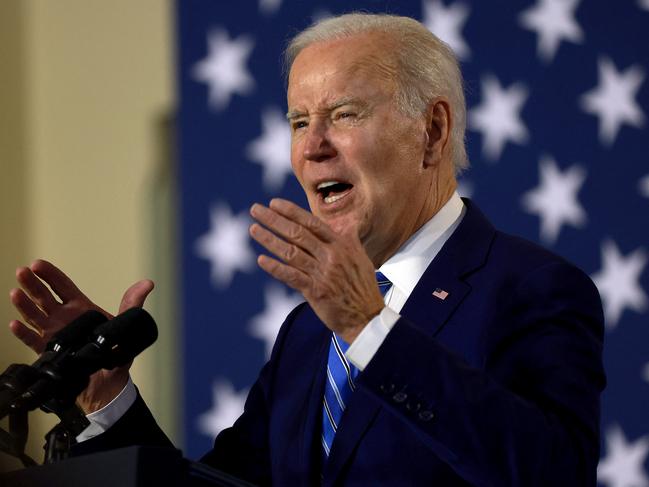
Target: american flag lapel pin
<point x="440" y="294"/>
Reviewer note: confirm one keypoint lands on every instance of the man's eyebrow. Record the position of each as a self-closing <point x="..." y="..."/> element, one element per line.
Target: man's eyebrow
<point x="294" y="114"/>
<point x="349" y="100"/>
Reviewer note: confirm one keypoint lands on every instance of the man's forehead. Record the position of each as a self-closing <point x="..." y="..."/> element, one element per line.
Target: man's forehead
<point x="367" y="51"/>
<point x="358" y="60"/>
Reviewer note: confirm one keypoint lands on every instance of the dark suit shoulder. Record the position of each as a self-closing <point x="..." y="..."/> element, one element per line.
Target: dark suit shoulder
<point x="528" y="260"/>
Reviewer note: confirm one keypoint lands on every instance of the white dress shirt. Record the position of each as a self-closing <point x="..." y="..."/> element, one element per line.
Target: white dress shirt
<point x="403" y="269"/>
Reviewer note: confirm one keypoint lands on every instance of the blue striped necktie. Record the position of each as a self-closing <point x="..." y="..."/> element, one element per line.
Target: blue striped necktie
<point x="340" y="382"/>
<point x="383" y="282"/>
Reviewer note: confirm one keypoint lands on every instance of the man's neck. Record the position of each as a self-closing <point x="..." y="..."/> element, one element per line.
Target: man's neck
<point x="439" y="198"/>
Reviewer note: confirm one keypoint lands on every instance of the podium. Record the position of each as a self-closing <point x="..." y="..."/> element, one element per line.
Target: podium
<point x="135" y="466"/>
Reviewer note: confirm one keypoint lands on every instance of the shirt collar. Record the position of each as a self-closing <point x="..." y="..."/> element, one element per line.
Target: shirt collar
<point x="408" y="264"/>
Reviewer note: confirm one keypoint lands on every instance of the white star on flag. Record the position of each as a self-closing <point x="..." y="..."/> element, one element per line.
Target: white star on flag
<point x="278" y="304"/>
<point x="623" y="464"/>
<point x="613" y="100"/>
<point x="498" y="116"/>
<point x="619" y="282"/>
<point x="227" y="406"/>
<point x="553" y="21"/>
<point x="272" y="150"/>
<point x="643" y="4"/>
<point x="268" y="7"/>
<point x="226" y="245"/>
<point x="644" y="186"/>
<point x="555" y="199"/>
<point x="224" y="70"/>
<point x="446" y="23"/>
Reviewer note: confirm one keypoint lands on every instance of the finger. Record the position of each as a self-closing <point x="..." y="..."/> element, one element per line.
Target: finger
<point x="38" y="292"/>
<point x="31" y="313"/>
<point x="288" y="275"/>
<point x="287" y="229"/>
<point x="135" y="295"/>
<point x="308" y="220"/>
<point x="57" y="280"/>
<point x="28" y="336"/>
<point x="288" y="252"/>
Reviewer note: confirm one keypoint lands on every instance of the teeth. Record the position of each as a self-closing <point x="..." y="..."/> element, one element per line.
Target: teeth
<point x="335" y="197"/>
<point x="326" y="184"/>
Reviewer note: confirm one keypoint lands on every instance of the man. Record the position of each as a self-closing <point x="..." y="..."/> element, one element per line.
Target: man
<point x="481" y="365"/>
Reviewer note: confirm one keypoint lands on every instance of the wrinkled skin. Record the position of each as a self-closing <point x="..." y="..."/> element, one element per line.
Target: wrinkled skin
<point x="45" y="315"/>
<point x="396" y="169"/>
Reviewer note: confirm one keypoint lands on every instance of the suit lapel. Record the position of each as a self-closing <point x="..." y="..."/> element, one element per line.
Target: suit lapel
<point x="311" y="427"/>
<point x="443" y="286"/>
<point x="433" y="311"/>
<point x="464" y="252"/>
<point x="360" y="414"/>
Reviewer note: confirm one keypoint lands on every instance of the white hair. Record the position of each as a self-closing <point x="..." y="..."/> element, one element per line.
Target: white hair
<point x="426" y="66"/>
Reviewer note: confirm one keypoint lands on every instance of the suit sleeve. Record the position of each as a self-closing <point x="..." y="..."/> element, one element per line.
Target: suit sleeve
<point x="136" y="427"/>
<point x="241" y="450"/>
<point x="529" y="414"/>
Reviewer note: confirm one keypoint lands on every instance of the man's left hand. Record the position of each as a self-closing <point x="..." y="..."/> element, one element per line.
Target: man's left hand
<point x="331" y="270"/>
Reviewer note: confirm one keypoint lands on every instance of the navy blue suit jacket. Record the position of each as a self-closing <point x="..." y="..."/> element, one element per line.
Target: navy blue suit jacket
<point x="496" y="385"/>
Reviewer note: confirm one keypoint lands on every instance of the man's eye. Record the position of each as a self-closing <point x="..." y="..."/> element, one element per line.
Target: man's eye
<point x="345" y="115"/>
<point x="299" y="124"/>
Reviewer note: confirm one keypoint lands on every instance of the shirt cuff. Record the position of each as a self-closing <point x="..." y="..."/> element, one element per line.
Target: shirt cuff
<point x="368" y="341"/>
<point x="104" y="418"/>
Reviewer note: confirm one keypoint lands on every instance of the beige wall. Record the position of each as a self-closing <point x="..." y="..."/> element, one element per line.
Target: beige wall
<point x="85" y="94"/>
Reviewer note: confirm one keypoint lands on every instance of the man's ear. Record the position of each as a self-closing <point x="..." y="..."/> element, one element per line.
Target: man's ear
<point x="438" y="130"/>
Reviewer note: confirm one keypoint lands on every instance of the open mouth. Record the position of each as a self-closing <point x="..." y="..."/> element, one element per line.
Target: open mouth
<point x="332" y="191"/>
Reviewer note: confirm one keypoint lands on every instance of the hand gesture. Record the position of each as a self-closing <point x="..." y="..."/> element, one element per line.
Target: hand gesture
<point x="45" y="315"/>
<point x="331" y="270"/>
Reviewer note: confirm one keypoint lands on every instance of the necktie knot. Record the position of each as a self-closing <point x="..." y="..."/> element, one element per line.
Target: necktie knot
<point x="383" y="282"/>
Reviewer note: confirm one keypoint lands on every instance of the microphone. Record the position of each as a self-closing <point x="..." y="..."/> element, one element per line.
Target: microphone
<point x="18" y="377"/>
<point x="77" y="333"/>
<point x="118" y="341"/>
<point x="63" y="374"/>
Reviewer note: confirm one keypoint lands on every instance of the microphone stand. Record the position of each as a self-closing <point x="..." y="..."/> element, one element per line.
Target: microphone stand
<point x="13" y="442"/>
<point x="16" y="403"/>
<point x="61" y="373"/>
<point x="59" y="440"/>
<point x="14" y="380"/>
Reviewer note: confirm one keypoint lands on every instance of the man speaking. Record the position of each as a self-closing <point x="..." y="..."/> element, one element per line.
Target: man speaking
<point x="432" y="349"/>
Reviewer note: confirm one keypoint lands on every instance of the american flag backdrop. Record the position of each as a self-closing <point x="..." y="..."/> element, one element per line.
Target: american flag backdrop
<point x="558" y="99"/>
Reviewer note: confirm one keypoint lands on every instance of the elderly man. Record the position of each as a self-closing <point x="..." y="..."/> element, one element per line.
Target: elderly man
<point x="475" y="360"/>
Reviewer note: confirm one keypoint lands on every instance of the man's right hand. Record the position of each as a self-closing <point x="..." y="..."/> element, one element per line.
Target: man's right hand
<point x="45" y="315"/>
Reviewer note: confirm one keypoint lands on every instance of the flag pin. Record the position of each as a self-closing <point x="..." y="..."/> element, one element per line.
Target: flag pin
<point x="440" y="294"/>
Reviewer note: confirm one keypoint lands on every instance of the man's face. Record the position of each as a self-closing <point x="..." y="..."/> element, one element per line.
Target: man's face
<point x="357" y="157"/>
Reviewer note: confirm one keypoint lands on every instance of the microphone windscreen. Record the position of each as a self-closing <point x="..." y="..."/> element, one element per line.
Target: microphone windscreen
<point x="127" y="335"/>
<point x="77" y="333"/>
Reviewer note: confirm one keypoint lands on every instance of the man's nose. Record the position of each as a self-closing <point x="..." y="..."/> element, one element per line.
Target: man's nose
<point x="318" y="146"/>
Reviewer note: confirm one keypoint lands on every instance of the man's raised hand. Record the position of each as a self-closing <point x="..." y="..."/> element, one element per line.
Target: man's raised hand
<point x="45" y="315"/>
<point x="331" y="270"/>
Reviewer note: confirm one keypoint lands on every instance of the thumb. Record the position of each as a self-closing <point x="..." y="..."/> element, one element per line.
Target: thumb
<point x="136" y="295"/>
